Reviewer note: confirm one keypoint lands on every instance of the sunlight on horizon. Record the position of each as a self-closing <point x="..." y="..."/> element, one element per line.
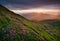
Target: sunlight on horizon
<point x="38" y="10"/>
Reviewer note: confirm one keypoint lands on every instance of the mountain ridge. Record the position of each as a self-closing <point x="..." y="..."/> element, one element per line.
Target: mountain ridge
<point x="42" y="16"/>
<point x="14" y="27"/>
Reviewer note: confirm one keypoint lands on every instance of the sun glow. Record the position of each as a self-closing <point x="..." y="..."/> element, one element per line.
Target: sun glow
<point x="36" y="10"/>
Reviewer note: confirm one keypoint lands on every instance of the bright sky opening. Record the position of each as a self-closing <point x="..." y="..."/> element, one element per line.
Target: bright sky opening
<point x="36" y="10"/>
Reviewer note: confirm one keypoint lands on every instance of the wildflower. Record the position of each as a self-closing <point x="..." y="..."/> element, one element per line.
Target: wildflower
<point x="24" y="31"/>
<point x="12" y="32"/>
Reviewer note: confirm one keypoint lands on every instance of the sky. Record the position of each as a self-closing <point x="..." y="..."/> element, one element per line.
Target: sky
<point x="19" y="6"/>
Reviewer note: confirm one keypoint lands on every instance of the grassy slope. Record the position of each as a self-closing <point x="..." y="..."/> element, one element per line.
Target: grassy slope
<point x="14" y="27"/>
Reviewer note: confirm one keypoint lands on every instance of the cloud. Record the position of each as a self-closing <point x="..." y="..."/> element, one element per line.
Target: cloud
<point x="27" y="4"/>
<point x="32" y="2"/>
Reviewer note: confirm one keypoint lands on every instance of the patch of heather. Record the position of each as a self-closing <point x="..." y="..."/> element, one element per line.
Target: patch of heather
<point x="24" y="31"/>
<point x="12" y="32"/>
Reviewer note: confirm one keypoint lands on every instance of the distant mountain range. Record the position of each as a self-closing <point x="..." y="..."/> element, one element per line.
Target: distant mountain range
<point x="42" y="16"/>
<point x="14" y="27"/>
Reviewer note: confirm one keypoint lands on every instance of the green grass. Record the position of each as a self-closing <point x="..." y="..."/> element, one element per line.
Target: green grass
<point x="14" y="27"/>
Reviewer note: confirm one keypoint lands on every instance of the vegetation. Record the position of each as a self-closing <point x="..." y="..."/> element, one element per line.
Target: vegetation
<point x="14" y="27"/>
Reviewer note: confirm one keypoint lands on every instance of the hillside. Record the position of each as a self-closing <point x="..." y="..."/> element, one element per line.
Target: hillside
<point x="14" y="27"/>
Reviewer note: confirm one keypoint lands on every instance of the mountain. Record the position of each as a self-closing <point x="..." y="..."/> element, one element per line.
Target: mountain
<point x="14" y="27"/>
<point x="42" y="16"/>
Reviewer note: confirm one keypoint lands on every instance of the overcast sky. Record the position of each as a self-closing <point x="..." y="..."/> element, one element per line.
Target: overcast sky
<point x="24" y="4"/>
<point x="29" y="4"/>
